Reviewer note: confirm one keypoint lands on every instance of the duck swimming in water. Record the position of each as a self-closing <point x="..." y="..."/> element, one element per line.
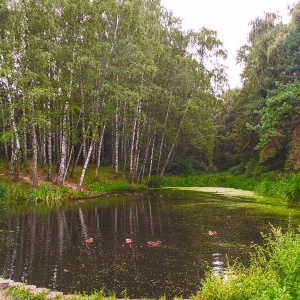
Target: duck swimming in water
<point x="212" y="233"/>
<point x="128" y="241"/>
<point x="89" y="241"/>
<point x="154" y="243"/>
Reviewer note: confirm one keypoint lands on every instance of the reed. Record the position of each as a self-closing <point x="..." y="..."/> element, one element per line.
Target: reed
<point x="11" y="194"/>
<point x="47" y="193"/>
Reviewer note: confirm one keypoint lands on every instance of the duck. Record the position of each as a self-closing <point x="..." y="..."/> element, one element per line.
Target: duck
<point x="212" y="233"/>
<point x="128" y="241"/>
<point x="89" y="241"/>
<point x="154" y="243"/>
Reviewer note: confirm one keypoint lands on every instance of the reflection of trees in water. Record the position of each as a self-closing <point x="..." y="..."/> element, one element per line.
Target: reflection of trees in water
<point x="37" y="244"/>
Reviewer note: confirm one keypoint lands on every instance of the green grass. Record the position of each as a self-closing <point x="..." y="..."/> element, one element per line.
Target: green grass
<point x="282" y="186"/>
<point x="23" y="293"/>
<point x="212" y="179"/>
<point x="47" y="193"/>
<point x="274" y="273"/>
<point x="104" y="186"/>
<point x="11" y="194"/>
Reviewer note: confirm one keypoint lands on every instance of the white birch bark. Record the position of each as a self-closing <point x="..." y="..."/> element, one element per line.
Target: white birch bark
<point x="16" y="140"/>
<point x="49" y="144"/>
<point x="100" y="150"/>
<point x="79" y="186"/>
<point x="63" y="148"/>
<point x="116" y="163"/>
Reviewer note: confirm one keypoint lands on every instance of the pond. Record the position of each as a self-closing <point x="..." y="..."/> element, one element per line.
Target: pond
<point x="49" y="249"/>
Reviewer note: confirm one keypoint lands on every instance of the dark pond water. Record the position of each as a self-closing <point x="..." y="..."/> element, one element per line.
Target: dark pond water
<point x="48" y="249"/>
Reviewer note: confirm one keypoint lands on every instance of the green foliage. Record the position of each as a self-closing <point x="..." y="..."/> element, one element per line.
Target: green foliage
<point x="278" y="185"/>
<point x="213" y="180"/>
<point x="11" y="194"/>
<point x="274" y="273"/>
<point x="154" y="182"/>
<point x="284" y="187"/>
<point x="103" y="186"/>
<point x="47" y="193"/>
<point x="237" y="170"/>
<point x="23" y="293"/>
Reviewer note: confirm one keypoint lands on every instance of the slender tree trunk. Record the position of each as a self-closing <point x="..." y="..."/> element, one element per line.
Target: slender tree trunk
<point x="99" y="151"/>
<point x="151" y="157"/>
<point x="34" y="145"/>
<point x="163" y="136"/>
<point x="79" y="186"/>
<point x="24" y="141"/>
<point x="4" y="127"/>
<point x="49" y="144"/>
<point x="146" y="155"/>
<point x="131" y="163"/>
<point x="175" y="141"/>
<point x="16" y="141"/>
<point x="76" y="161"/>
<point x="63" y="148"/>
<point x="116" y="160"/>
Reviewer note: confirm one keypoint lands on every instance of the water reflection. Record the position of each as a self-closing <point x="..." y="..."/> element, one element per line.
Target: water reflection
<point x="49" y="249"/>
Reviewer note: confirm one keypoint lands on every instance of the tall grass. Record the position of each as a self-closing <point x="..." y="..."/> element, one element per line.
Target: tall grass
<point x="23" y="293"/>
<point x="11" y="195"/>
<point x="103" y="186"/>
<point x="47" y="193"/>
<point x="213" y="180"/>
<point x="274" y="273"/>
<point x="282" y="186"/>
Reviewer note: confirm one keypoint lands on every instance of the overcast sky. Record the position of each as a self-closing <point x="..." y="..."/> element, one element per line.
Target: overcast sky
<point x="230" y="18"/>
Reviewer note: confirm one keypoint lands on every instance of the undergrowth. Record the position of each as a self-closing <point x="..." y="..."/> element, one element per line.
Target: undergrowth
<point x="274" y="273"/>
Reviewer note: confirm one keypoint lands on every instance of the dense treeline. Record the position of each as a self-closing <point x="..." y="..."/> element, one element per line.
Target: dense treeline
<point x="115" y="82"/>
<point x="259" y="127"/>
<point x="120" y="83"/>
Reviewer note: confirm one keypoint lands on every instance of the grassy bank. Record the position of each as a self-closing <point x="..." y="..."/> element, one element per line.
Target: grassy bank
<point x="20" y="193"/>
<point x="283" y="186"/>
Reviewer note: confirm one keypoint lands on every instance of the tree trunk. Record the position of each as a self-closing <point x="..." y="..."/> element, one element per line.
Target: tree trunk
<point x="63" y="148"/>
<point x="116" y="160"/>
<point x="99" y="151"/>
<point x="163" y="136"/>
<point x="34" y="145"/>
<point x="175" y="141"/>
<point x="79" y="186"/>
<point x="16" y="141"/>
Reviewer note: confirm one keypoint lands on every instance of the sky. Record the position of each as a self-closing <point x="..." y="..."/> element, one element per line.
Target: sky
<point x="230" y="18"/>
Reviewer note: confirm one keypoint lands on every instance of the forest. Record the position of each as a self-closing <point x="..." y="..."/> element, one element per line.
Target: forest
<point x="119" y="83"/>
